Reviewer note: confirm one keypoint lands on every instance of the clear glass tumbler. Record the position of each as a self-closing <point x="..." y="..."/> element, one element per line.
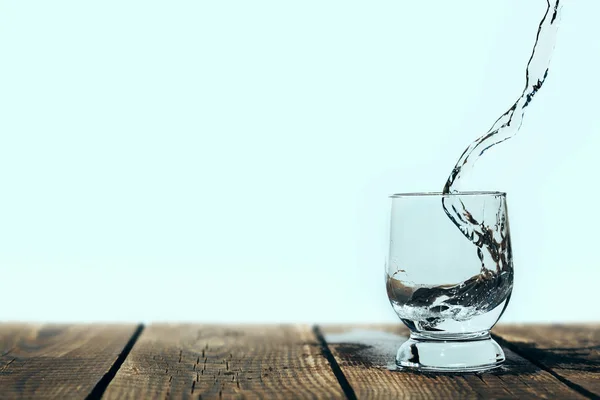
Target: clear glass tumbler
<point x="449" y="277"/>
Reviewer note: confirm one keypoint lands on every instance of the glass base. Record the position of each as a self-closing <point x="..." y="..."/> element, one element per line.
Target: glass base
<point x="455" y="355"/>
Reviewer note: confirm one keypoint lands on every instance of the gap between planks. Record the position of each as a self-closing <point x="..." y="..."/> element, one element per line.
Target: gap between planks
<point x="103" y="383"/>
<point x="335" y="367"/>
<point x="578" y="388"/>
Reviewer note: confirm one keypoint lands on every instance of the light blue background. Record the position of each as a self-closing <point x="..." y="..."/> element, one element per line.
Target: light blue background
<point x="230" y="160"/>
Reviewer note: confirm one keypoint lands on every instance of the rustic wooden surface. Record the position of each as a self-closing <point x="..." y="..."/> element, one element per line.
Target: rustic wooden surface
<point x="57" y="361"/>
<point x="571" y="352"/>
<point x="366" y="353"/>
<point x="225" y="361"/>
<point x="275" y="361"/>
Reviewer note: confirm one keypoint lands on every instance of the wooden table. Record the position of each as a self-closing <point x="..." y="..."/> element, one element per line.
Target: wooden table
<point x="280" y="361"/>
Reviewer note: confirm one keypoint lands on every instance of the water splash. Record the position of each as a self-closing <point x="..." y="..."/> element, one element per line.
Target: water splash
<point x="504" y="128"/>
<point x="510" y="122"/>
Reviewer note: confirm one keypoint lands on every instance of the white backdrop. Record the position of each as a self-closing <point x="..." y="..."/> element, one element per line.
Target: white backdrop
<point x="231" y="161"/>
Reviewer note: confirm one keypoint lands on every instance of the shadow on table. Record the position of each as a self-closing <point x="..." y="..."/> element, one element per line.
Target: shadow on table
<point x="377" y="349"/>
<point x="573" y="358"/>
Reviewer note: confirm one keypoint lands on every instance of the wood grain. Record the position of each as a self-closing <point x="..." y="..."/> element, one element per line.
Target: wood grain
<point x="364" y="354"/>
<point x="57" y="361"/>
<point x="570" y="351"/>
<point x="211" y="361"/>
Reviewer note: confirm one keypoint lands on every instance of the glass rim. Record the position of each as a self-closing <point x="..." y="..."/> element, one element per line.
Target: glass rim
<point x="454" y="194"/>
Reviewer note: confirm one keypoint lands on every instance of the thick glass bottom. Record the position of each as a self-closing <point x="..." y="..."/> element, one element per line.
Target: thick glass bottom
<point x="456" y="355"/>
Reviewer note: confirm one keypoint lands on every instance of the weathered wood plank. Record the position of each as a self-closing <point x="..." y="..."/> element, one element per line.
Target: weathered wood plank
<point x="187" y="361"/>
<point x="570" y="351"/>
<point x="366" y="354"/>
<point x="57" y="361"/>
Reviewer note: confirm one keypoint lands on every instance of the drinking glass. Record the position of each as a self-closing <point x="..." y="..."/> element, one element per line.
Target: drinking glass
<point x="449" y="277"/>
